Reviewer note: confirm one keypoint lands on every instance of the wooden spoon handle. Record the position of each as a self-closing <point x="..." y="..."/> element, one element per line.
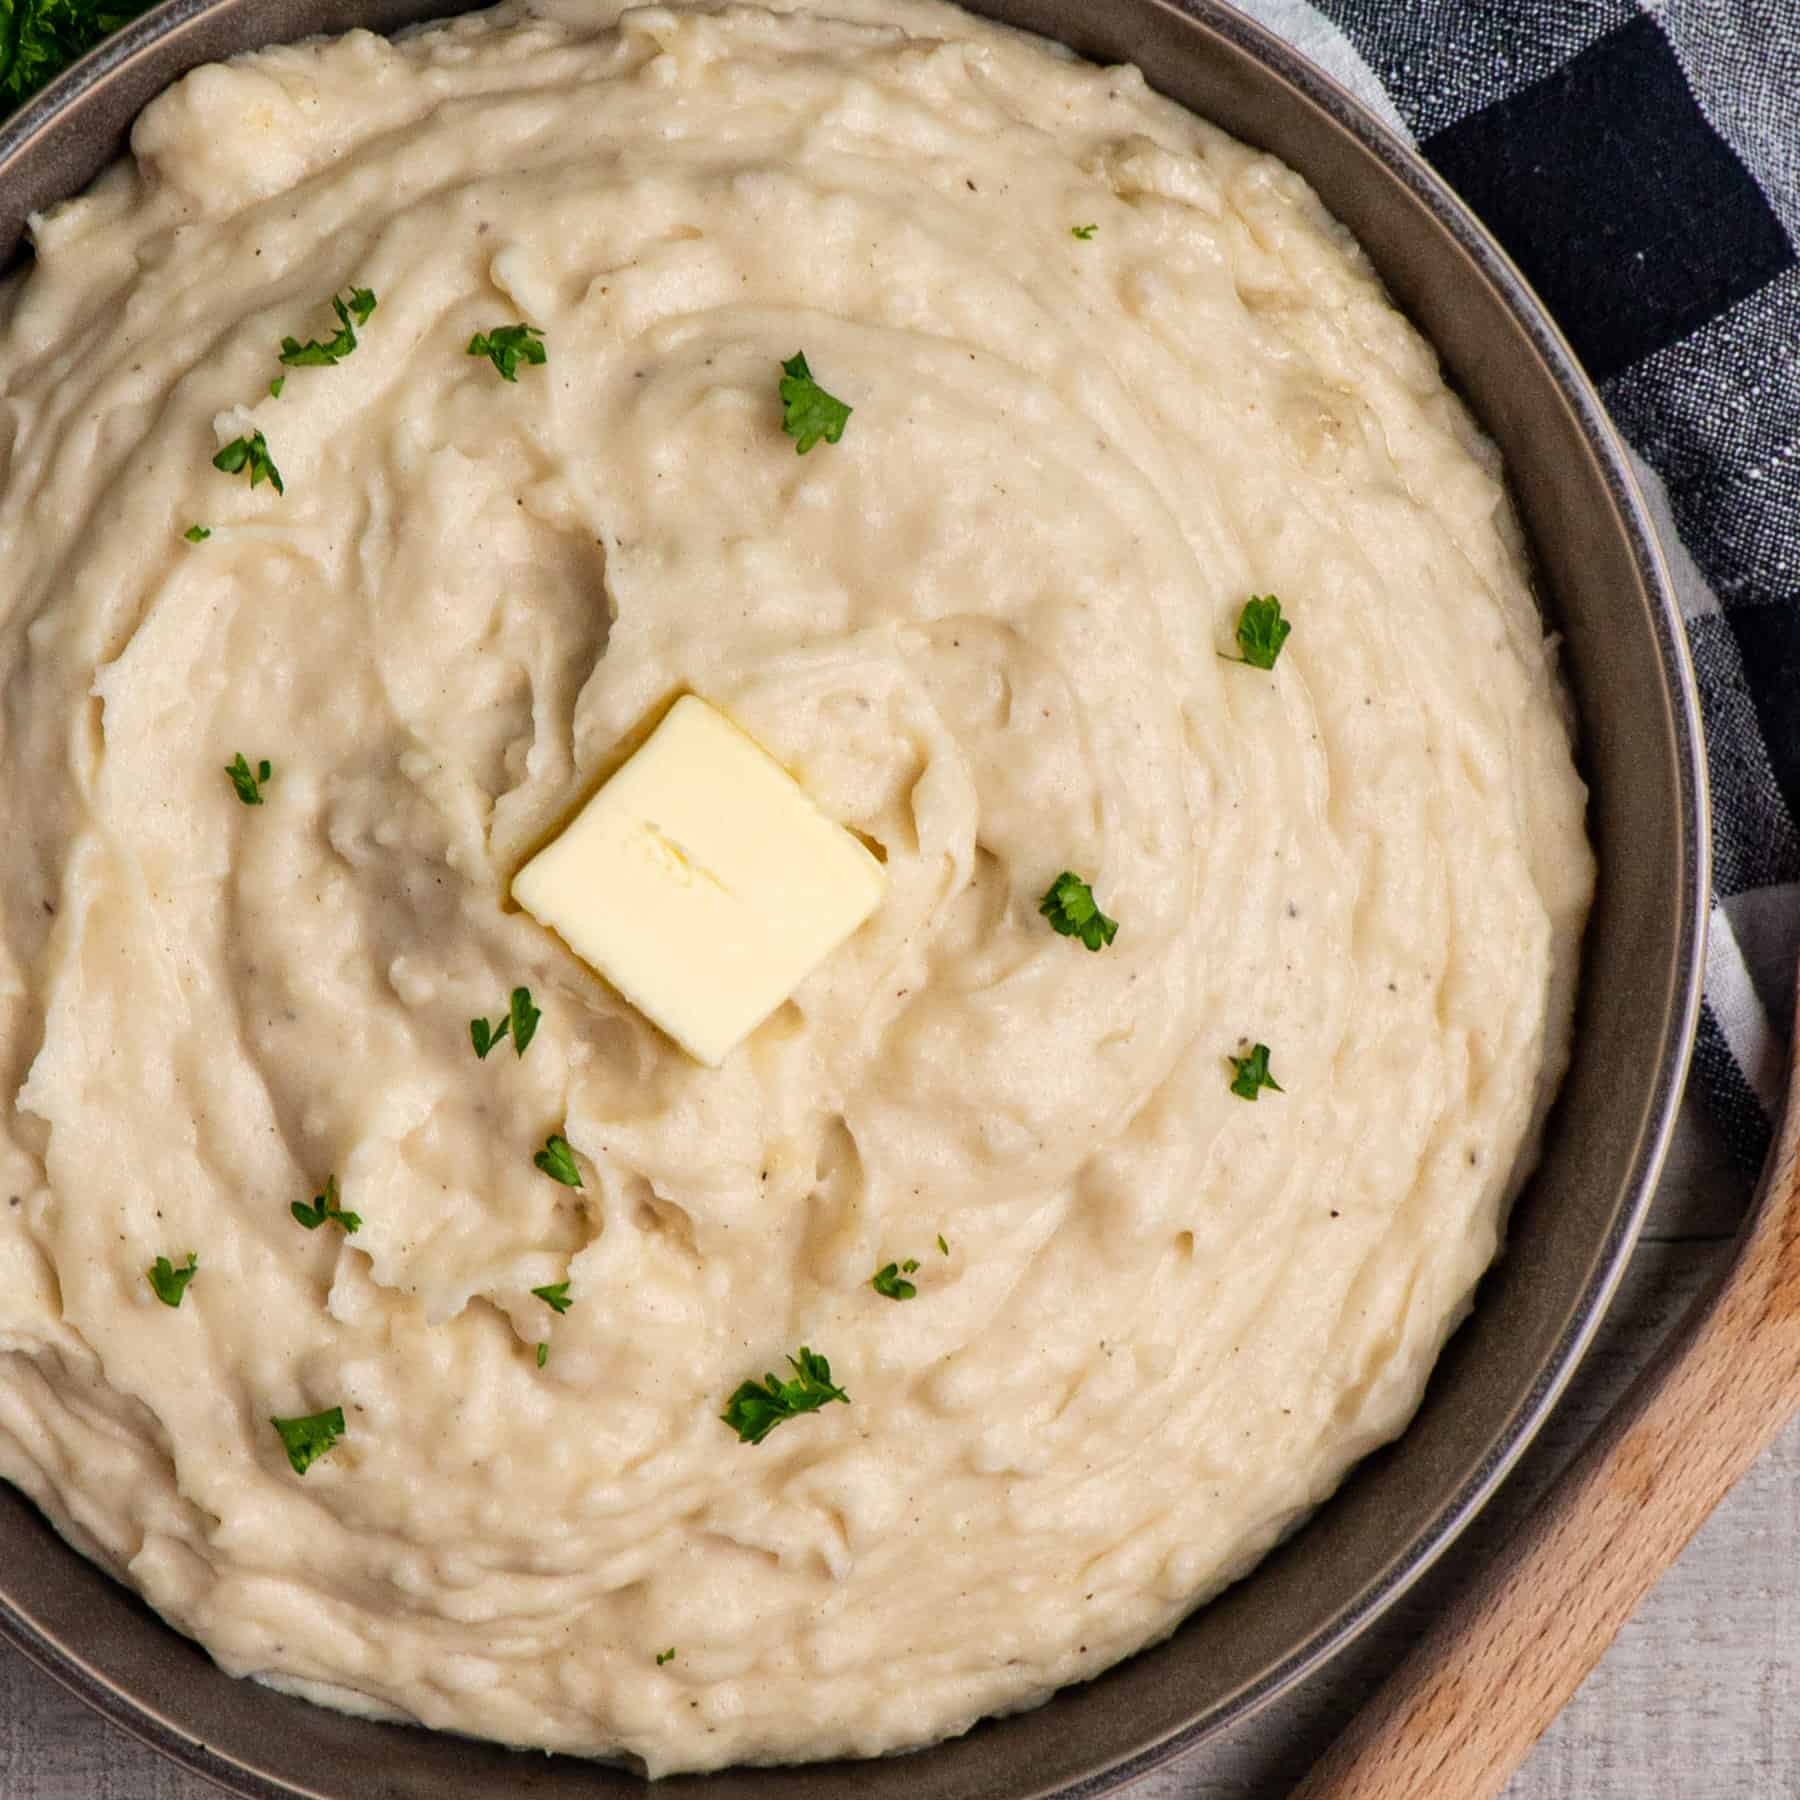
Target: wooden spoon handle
<point x="1462" y="1710"/>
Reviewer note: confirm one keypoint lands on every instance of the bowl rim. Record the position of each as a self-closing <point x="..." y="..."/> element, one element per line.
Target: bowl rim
<point x="118" y="59"/>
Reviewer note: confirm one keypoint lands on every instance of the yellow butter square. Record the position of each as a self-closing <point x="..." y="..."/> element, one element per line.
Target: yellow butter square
<point x="702" y="881"/>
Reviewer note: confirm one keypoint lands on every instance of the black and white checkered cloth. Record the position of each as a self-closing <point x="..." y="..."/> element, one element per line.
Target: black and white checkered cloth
<point x="1640" y="160"/>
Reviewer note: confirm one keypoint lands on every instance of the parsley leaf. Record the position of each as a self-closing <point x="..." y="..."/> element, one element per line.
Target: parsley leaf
<point x="506" y="346"/>
<point x="756" y="1409"/>
<point x="1072" y="910"/>
<point x="808" y="412"/>
<point x="543" y="1354"/>
<point x="942" y="1245"/>
<point x="248" y="781"/>
<point x="316" y="355"/>
<point x="555" y="1296"/>
<point x="276" y="386"/>
<point x="250" y="453"/>
<point x="169" y="1281"/>
<point x="1261" y="631"/>
<point x="1084" y="232"/>
<point x="886" y="1281"/>
<point x="306" y="1439"/>
<point x="557" y="1161"/>
<point x="524" y="1019"/>
<point x="326" y="1211"/>
<point x="667" y="1656"/>
<point x="1249" y="1073"/>
<point x="521" y="1020"/>
<point x="196" y="534"/>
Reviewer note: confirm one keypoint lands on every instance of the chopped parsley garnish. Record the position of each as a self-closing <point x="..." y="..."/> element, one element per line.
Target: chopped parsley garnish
<point x="1249" y="1073"/>
<point x="523" y="1017"/>
<point x="325" y="1210"/>
<point x="316" y="355"/>
<point x="808" y="412"/>
<point x="197" y="534"/>
<point x="756" y="1409"/>
<point x="169" y="1281"/>
<point x="942" y="1245"/>
<point x="667" y="1656"/>
<point x="506" y="346"/>
<point x="557" y="1161"/>
<point x="248" y="781"/>
<point x="555" y="1296"/>
<point x="307" y="1439"/>
<point x="250" y="453"/>
<point x="543" y="1354"/>
<point x="888" y="1280"/>
<point x="521" y="1021"/>
<point x="1261" y="631"/>
<point x="1084" y="232"/>
<point x="1072" y="910"/>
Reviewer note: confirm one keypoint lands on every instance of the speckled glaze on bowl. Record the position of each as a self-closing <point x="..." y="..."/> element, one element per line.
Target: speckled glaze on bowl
<point x="1603" y="588"/>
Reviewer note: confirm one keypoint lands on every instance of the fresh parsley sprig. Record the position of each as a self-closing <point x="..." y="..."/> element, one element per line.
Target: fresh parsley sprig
<point x="39" y="38"/>
<point x="889" y="1280"/>
<point x="808" y="413"/>
<point x="521" y="1021"/>
<point x="1072" y="910"/>
<point x="758" y="1407"/>
<point x="197" y="534"/>
<point x="326" y="1211"/>
<point x="316" y="355"/>
<point x="557" y="1161"/>
<point x="1250" y="1074"/>
<point x="170" y="1282"/>
<point x="665" y="1656"/>
<point x="1084" y="232"/>
<point x="1261" y="631"/>
<point x="251" y="453"/>
<point x="307" y="1438"/>
<point x="248" y="781"/>
<point x="506" y="346"/>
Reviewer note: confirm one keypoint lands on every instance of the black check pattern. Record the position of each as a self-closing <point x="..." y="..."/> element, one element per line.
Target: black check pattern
<point x="1640" y="160"/>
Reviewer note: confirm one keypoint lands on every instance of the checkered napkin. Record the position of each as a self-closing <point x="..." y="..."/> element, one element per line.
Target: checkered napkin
<point x="1640" y="161"/>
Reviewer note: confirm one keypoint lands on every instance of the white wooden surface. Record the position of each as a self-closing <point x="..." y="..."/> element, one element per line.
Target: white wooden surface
<point x="1697" y="1700"/>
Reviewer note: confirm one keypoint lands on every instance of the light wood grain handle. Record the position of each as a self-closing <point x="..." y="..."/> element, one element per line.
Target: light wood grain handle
<point x="1460" y="1713"/>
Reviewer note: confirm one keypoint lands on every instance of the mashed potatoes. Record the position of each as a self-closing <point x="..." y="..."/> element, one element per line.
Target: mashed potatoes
<point x="1112" y="373"/>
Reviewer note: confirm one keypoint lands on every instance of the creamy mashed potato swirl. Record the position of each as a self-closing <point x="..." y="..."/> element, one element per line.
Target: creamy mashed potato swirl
<point x="988" y="630"/>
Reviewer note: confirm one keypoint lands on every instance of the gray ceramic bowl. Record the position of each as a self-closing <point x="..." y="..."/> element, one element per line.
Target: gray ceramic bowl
<point x="1603" y="589"/>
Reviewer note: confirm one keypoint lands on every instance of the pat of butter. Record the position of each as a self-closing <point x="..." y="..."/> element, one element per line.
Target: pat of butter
<point x="702" y="882"/>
